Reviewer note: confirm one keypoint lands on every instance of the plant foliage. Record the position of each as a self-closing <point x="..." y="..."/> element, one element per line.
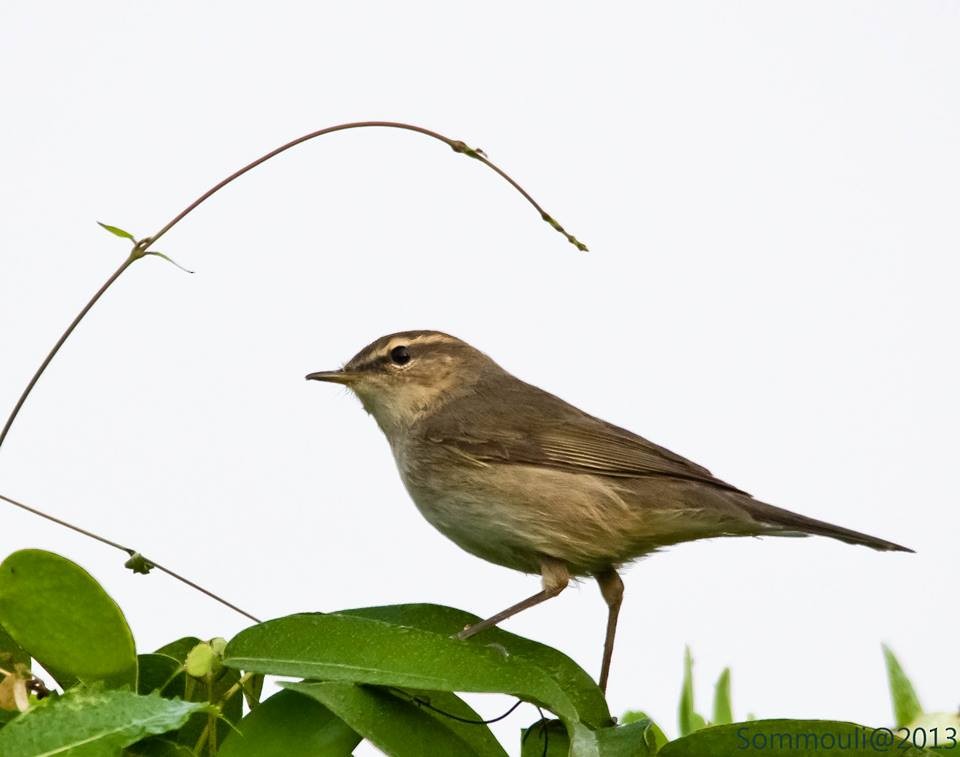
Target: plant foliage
<point x="389" y="675"/>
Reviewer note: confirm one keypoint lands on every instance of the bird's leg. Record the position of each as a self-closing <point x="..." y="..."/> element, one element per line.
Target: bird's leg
<point x="612" y="589"/>
<point x="555" y="578"/>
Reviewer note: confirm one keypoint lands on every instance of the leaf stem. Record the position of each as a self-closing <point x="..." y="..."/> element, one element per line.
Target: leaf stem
<point x="235" y="688"/>
<point x="203" y="738"/>
<point x="211" y="718"/>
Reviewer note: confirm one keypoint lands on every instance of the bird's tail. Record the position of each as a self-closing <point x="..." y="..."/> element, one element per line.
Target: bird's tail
<point x="787" y="522"/>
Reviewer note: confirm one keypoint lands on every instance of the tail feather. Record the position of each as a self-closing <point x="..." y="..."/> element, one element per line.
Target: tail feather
<point x="794" y="522"/>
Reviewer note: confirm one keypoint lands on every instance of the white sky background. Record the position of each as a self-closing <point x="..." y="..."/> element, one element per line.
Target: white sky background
<point x="770" y="195"/>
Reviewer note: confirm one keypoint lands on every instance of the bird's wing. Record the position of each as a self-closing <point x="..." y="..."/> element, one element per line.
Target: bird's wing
<point x="552" y="433"/>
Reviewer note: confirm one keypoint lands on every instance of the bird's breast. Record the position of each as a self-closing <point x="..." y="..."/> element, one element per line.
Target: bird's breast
<point x="513" y="514"/>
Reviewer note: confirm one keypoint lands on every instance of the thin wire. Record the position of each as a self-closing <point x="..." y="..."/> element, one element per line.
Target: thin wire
<point x="131" y="553"/>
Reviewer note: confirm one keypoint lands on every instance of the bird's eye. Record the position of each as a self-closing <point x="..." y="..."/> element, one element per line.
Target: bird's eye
<point x="400" y="355"/>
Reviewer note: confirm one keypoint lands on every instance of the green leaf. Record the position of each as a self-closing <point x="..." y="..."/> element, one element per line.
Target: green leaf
<point x="117" y="231"/>
<point x="290" y="724"/>
<point x="397" y="726"/>
<point x="59" y="614"/>
<point x="354" y="649"/>
<point x="798" y="738"/>
<point x="10" y="652"/>
<point x="906" y="705"/>
<point x="91" y="723"/>
<point x="634" y="739"/>
<point x="545" y="738"/>
<point x="722" y="706"/>
<point x="452" y="711"/>
<point x="638" y="739"/>
<point x="688" y="720"/>
<point x="158" y="747"/>
<point x="574" y="680"/>
<point x="654" y="735"/>
<point x="160" y="673"/>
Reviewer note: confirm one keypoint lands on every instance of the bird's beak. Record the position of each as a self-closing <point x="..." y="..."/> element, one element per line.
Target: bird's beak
<point x="334" y="377"/>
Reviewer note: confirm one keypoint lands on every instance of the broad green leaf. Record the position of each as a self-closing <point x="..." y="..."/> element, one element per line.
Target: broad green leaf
<point x="59" y="614"/>
<point x="117" y="231"/>
<point x="354" y="649"/>
<point x="630" y="740"/>
<point x="548" y="737"/>
<point x="290" y="724"/>
<point x="722" y="706"/>
<point x="157" y="746"/>
<point x="452" y="711"/>
<point x="575" y="682"/>
<point x="798" y="738"/>
<point x="91" y="723"/>
<point x="397" y="726"/>
<point x="654" y="734"/>
<point x="688" y="720"/>
<point x="545" y="738"/>
<point x="160" y="673"/>
<point x="906" y="705"/>
<point x="10" y="652"/>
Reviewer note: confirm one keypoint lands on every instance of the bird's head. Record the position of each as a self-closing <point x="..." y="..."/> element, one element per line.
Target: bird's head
<point x="402" y="377"/>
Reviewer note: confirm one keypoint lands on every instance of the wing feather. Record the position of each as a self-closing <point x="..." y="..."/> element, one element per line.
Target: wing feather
<point x="553" y="433"/>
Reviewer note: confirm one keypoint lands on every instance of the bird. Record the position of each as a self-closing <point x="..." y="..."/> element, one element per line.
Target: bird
<point x="523" y="479"/>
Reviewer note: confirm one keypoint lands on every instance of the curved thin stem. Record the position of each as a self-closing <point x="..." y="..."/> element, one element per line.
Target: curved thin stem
<point x="455" y="144"/>
<point x="56" y="348"/>
<point x="141" y="249"/>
